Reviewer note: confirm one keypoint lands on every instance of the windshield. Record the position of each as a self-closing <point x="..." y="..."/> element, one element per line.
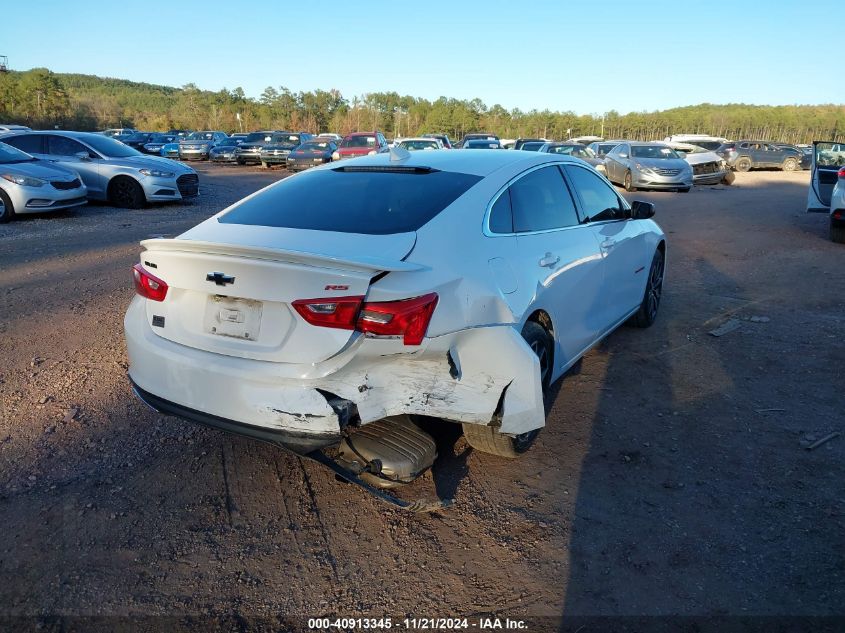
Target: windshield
<point x="201" y="136"/>
<point x="161" y="138"/>
<point x="359" y="141"/>
<point x="652" y="151"/>
<point x="286" y="140"/>
<point x="109" y="147"/>
<point x="139" y="136"/>
<point x="9" y="154"/>
<point x="259" y="137"/>
<point x="315" y="146"/>
<point x="417" y="145"/>
<point x="355" y="201"/>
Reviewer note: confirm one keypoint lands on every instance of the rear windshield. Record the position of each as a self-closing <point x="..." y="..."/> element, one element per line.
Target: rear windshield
<point x="358" y="141"/>
<point x="353" y="201"/>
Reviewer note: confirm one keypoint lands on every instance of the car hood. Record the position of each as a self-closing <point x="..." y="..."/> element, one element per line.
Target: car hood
<point x="661" y="163"/>
<point x="224" y="148"/>
<point x="150" y="162"/>
<point x="39" y="169"/>
<point x="275" y="147"/>
<point x="200" y="142"/>
<point x="702" y="157"/>
<point x="250" y="145"/>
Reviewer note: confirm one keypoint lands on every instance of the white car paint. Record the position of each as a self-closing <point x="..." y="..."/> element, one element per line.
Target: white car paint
<point x="588" y="278"/>
<point x="826" y="193"/>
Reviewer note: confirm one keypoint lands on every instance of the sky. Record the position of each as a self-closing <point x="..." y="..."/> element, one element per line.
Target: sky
<point x="586" y="56"/>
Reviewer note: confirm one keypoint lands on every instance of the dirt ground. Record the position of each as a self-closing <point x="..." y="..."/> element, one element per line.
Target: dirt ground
<point x="672" y="478"/>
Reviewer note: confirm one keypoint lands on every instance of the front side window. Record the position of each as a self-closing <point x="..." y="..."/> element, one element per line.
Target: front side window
<point x="540" y="201"/>
<point x="598" y="200"/>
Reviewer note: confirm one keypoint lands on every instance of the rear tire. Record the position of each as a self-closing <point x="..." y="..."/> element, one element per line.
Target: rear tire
<point x="790" y="164"/>
<point x="837" y="232"/>
<point x="7" y="210"/>
<point x="647" y="313"/>
<point x="487" y="439"/>
<point x="743" y="164"/>
<point x="629" y="182"/>
<point x="126" y="193"/>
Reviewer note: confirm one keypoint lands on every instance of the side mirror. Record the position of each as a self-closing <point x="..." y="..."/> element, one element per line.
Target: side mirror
<point x="83" y="156"/>
<point x="642" y="210"/>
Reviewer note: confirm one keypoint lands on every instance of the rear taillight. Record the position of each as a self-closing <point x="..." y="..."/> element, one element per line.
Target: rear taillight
<point x="336" y="312"/>
<point x="408" y="318"/>
<point x="841" y="172"/>
<point x="147" y="285"/>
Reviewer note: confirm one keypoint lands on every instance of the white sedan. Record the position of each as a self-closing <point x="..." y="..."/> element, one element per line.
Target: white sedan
<point x="458" y="285"/>
<point x="827" y="186"/>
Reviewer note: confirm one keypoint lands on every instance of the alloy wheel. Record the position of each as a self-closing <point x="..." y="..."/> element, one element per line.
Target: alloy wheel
<point x="655" y="287"/>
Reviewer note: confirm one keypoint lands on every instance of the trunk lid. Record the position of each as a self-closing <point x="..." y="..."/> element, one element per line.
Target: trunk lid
<point x="234" y="297"/>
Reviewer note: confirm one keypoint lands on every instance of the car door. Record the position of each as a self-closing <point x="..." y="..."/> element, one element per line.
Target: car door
<point x="621" y="240"/>
<point x="611" y="163"/>
<point x="557" y="259"/>
<point x="828" y="159"/>
<point x="74" y="155"/>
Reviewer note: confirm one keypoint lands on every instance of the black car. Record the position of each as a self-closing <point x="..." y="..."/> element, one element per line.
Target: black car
<point x="138" y="140"/>
<point x="280" y="146"/>
<point x="311" y="153"/>
<point x="249" y="151"/>
<point x="806" y="156"/>
<point x="521" y="142"/>
<point x="226" y="151"/>
<point x="155" y="142"/>
<point x="477" y="136"/>
<point x="745" y="155"/>
<point x="531" y="146"/>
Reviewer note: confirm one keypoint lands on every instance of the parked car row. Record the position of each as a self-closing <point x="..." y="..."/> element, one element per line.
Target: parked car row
<point x="46" y="170"/>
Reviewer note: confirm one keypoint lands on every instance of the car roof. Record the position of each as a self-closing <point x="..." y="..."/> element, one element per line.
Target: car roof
<point x="69" y="133"/>
<point x="476" y="163"/>
<point x="418" y="138"/>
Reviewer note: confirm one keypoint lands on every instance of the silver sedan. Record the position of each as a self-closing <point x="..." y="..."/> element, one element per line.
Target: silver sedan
<point x="647" y="166"/>
<point x="28" y="185"/>
<point x="111" y="170"/>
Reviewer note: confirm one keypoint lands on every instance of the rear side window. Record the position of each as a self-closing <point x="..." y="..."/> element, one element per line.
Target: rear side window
<point x="501" y="218"/>
<point x="540" y="201"/>
<point x="350" y="200"/>
<point x="29" y="143"/>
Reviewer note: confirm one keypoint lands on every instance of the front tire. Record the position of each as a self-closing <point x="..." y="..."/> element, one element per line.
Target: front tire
<point x="790" y="164"/>
<point x="7" y="210"/>
<point x="126" y="193"/>
<point x="837" y="232"/>
<point x="486" y="438"/>
<point x="743" y="164"/>
<point x="647" y="313"/>
<point x="629" y="182"/>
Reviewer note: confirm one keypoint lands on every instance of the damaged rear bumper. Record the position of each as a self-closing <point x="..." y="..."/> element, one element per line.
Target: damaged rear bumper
<point x="478" y="376"/>
<point x="298" y="442"/>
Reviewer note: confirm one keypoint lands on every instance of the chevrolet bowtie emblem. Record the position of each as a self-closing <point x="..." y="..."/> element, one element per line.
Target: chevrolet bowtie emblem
<point x="221" y="279"/>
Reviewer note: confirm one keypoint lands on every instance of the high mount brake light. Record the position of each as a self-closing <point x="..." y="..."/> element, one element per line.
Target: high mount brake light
<point x="147" y="285"/>
<point x="408" y="318"/>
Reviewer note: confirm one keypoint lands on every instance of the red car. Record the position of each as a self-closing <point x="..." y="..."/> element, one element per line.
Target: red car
<point x="361" y="144"/>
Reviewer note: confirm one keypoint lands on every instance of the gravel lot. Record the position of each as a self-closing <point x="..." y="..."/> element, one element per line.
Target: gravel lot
<point x="673" y="476"/>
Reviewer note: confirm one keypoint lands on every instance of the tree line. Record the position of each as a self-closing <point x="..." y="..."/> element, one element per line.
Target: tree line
<point x="43" y="99"/>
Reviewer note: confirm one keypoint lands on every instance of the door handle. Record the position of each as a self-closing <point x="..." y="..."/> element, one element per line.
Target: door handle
<point x="608" y="244"/>
<point x="549" y="260"/>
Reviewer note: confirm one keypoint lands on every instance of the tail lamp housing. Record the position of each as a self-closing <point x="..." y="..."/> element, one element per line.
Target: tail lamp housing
<point x="406" y="318"/>
<point x="148" y="285"/>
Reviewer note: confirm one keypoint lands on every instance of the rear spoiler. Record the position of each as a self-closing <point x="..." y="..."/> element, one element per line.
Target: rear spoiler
<point x="363" y="262"/>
